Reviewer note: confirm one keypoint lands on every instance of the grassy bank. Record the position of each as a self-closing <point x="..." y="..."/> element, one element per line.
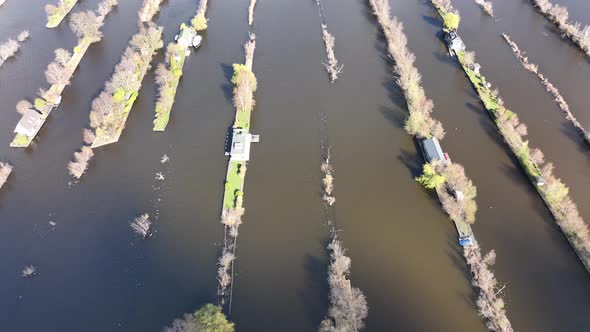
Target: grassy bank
<point x="168" y="75"/>
<point x="551" y="189"/>
<point x="244" y="87"/>
<point x="56" y="14"/>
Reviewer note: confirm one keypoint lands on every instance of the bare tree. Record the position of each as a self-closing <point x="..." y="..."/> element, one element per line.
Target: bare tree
<point x="348" y="306"/>
<point x="23" y="36"/>
<point x="80" y="163"/>
<point x="88" y="136"/>
<point x="57" y="74"/>
<point x="5" y="170"/>
<point x="23" y="105"/>
<point x="106" y="6"/>
<point x="29" y="271"/>
<point x="87" y="25"/>
<point x="141" y="225"/>
<point x="486" y="6"/>
<point x="332" y="65"/>
<point x="8" y="49"/>
<point x="149" y="9"/>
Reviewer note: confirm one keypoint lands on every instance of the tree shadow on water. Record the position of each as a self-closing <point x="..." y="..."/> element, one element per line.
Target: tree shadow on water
<point x="315" y="295"/>
<point x="227" y="87"/>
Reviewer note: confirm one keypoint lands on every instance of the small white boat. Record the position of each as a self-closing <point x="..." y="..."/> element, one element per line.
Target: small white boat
<point x="197" y="41"/>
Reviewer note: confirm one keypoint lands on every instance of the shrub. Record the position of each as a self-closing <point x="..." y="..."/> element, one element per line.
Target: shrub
<point x="141" y="225"/>
<point x="199" y="22"/>
<point x="5" y="170"/>
<point x="430" y="178"/>
<point x="451" y="20"/>
<point x="80" y="163"/>
<point x="207" y="319"/>
<point x="23" y="105"/>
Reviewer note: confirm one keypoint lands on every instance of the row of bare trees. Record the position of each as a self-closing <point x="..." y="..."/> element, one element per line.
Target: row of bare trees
<point x="149" y="9"/>
<point x="456" y="191"/>
<point x="331" y="65"/>
<point x="251" y="12"/>
<point x="9" y="48"/>
<point x="533" y="68"/>
<point x="559" y="15"/>
<point x="348" y="305"/>
<point x="82" y="158"/>
<point x="420" y="122"/>
<point x="491" y="305"/>
<point x="486" y="6"/>
<point x="244" y="80"/>
<point x="5" y="170"/>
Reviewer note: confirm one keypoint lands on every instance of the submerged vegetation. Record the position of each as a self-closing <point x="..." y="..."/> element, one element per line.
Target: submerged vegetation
<point x="559" y="16"/>
<point x="5" y="170"/>
<point x="168" y="74"/>
<point x="348" y="305"/>
<point x="209" y="318"/>
<point x="486" y="6"/>
<point x="563" y="105"/>
<point x="540" y="173"/>
<point x="9" y="48"/>
<point x="455" y="191"/>
<point x="331" y="65"/>
<point x="141" y="225"/>
<point x="56" y="14"/>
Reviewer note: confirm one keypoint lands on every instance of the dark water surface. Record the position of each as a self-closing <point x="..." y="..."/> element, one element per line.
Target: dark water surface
<point x="95" y="275"/>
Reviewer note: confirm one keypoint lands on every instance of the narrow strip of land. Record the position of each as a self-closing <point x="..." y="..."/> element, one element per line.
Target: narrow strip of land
<point x="551" y="189"/>
<point x="455" y="191"/>
<point x="56" y="14"/>
<point x="168" y="75"/>
<point x="86" y="26"/>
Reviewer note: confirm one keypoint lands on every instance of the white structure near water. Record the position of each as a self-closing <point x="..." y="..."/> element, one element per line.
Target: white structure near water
<point x="240" y="145"/>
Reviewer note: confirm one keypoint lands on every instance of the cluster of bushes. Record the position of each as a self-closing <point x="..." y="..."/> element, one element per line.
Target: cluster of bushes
<point x="551" y="188"/>
<point x="455" y="191"/>
<point x="209" y="318"/>
<point x="110" y="108"/>
<point x="148" y="10"/>
<point x="332" y="65"/>
<point x="420" y="122"/>
<point x="9" y="48"/>
<point x="491" y="306"/>
<point x="533" y="68"/>
<point x="559" y="15"/>
<point x="55" y="14"/>
<point x="5" y="170"/>
<point x="486" y="6"/>
<point x="348" y="305"/>
<point x="82" y="158"/>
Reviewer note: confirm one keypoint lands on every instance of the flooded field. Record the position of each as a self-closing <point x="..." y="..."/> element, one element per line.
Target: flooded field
<point x="94" y="274"/>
